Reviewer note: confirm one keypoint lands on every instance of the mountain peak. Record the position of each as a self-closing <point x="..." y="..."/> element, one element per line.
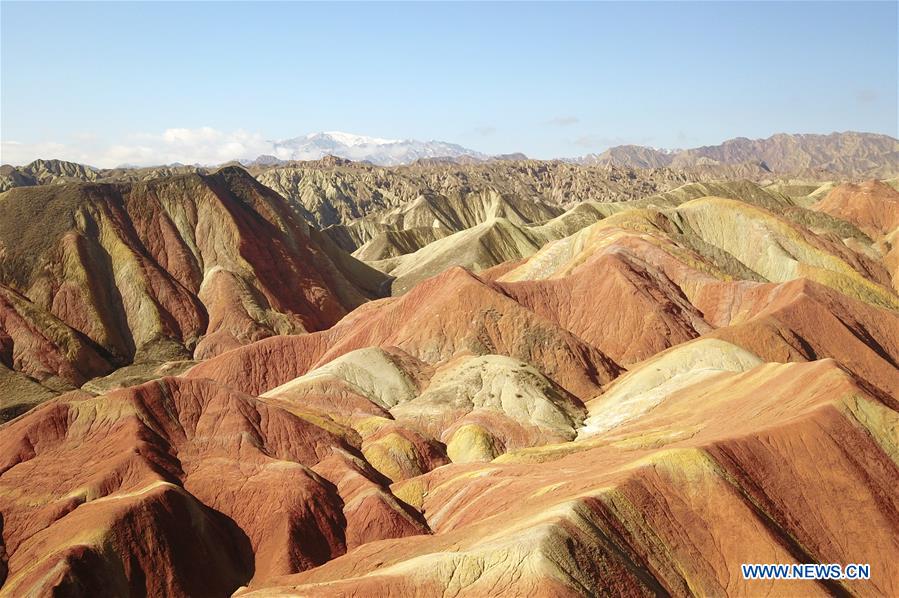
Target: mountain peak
<point x="351" y="139"/>
<point x="380" y="151"/>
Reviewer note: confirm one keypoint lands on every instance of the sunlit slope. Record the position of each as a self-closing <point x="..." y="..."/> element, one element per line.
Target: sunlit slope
<point x="874" y="208"/>
<point x="741" y="466"/>
<point x="736" y="238"/>
<point x="483" y="246"/>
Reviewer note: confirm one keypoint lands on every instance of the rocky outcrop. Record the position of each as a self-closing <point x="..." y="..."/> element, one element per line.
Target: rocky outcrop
<point x="45" y="172"/>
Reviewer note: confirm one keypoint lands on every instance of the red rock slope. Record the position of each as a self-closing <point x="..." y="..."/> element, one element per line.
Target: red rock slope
<point x="174" y="268"/>
<point x="873" y="207"/>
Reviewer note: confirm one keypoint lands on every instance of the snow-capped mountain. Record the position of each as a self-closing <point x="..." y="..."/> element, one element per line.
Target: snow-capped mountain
<point x="384" y="152"/>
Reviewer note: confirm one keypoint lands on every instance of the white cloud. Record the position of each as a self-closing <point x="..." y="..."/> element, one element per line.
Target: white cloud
<point x="203" y="145"/>
<point x="191" y="136"/>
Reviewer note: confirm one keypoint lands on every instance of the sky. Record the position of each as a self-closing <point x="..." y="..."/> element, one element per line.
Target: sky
<point x="150" y="83"/>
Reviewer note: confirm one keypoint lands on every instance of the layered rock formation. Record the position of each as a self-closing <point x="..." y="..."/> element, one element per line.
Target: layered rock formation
<point x="716" y="475"/>
<point x="177" y="268"/>
<point x="874" y="208"/>
<point x="625" y="398"/>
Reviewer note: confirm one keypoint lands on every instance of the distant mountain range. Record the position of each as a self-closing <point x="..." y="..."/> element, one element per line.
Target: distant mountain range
<point x="814" y="157"/>
<point x="359" y="148"/>
<point x="848" y="154"/>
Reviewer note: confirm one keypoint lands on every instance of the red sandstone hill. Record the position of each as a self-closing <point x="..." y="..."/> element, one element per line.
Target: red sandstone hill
<point x="176" y="268"/>
<point x="451" y="314"/>
<point x="184" y="472"/>
<point x="873" y="207"/>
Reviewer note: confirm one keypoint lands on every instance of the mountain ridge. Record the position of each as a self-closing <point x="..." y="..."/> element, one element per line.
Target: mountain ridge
<point x="847" y="153"/>
<point x="851" y="153"/>
<point x="383" y="152"/>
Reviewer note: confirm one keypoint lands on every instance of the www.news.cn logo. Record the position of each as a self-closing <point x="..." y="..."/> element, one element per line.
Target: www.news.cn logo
<point x="806" y="571"/>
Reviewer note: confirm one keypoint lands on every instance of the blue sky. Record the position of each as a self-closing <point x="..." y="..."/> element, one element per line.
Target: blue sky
<point x="107" y="83"/>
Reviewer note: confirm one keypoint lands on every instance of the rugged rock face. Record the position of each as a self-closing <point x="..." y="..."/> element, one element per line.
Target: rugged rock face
<point x="338" y="194"/>
<point x="627" y="398"/>
<point x="59" y="172"/>
<point x="177" y="268"/>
